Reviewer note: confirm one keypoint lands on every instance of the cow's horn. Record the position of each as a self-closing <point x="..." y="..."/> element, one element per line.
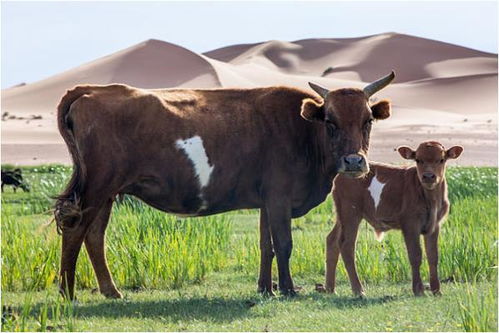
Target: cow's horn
<point x="379" y="84"/>
<point x="319" y="89"/>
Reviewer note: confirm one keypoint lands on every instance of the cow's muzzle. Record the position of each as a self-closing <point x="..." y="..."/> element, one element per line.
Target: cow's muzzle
<point x="353" y="165"/>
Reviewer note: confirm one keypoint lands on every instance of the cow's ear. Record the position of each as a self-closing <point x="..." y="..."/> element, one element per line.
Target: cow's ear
<point x="311" y="110"/>
<point x="454" y="152"/>
<point x="406" y="153"/>
<point x="381" y="110"/>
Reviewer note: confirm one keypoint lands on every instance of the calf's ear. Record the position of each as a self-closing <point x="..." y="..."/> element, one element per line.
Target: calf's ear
<point x="381" y="110"/>
<point x="406" y="152"/>
<point x="454" y="152"/>
<point x="311" y="110"/>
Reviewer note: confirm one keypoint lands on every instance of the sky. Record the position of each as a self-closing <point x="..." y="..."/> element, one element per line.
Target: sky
<point x="40" y="39"/>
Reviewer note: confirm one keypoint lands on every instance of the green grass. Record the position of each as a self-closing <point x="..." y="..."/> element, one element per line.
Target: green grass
<point x="200" y="274"/>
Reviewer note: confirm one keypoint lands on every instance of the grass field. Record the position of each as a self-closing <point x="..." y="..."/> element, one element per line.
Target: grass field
<point x="200" y="274"/>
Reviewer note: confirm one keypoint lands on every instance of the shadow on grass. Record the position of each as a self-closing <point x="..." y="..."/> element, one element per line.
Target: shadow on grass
<point x="343" y="302"/>
<point x="215" y="309"/>
<point x="199" y="308"/>
<point x="357" y="302"/>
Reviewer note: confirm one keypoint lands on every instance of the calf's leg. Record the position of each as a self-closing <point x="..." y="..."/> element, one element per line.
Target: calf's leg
<point x="348" y="238"/>
<point x="266" y="256"/>
<point x="431" y="247"/>
<point x="95" y="244"/>
<point x="412" y="243"/>
<point x="332" y="255"/>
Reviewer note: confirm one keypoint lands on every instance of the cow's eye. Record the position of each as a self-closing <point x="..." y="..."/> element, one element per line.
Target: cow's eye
<point x="442" y="160"/>
<point x="419" y="161"/>
<point x="330" y="124"/>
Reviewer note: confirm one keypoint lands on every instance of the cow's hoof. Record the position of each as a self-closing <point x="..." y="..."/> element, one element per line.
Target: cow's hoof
<point x="289" y="292"/>
<point x="112" y="294"/>
<point x="437" y="293"/>
<point x="265" y="292"/>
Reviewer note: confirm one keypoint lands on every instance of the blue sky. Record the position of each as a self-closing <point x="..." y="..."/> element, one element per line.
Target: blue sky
<point x="40" y="39"/>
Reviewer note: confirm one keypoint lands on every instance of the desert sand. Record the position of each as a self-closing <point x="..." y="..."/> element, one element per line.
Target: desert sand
<point x="442" y="92"/>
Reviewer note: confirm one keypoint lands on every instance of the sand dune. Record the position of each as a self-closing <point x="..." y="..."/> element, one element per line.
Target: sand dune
<point x="442" y="91"/>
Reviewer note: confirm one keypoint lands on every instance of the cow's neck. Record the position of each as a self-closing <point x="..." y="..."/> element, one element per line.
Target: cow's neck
<point x="321" y="172"/>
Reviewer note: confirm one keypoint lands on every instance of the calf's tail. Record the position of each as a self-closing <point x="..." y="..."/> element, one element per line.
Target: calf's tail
<point x="68" y="211"/>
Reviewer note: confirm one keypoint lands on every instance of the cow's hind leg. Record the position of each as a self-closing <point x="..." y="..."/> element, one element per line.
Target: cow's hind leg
<point x="95" y="245"/>
<point x="266" y="256"/>
<point x="72" y="239"/>
<point x="74" y="226"/>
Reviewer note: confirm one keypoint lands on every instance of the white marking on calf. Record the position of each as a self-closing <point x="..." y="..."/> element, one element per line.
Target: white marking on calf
<point x="376" y="189"/>
<point x="194" y="149"/>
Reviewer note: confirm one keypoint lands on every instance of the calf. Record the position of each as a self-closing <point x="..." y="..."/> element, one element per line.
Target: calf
<point x="413" y="199"/>
<point x="14" y="178"/>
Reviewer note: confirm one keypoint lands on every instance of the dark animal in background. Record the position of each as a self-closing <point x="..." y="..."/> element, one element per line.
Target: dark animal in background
<point x="413" y="199"/>
<point x="15" y="179"/>
<point x="203" y="152"/>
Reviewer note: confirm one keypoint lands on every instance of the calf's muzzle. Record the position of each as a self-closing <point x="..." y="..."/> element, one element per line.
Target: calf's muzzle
<point x="429" y="177"/>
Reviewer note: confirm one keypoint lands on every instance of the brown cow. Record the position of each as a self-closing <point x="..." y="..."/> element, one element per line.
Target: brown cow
<point x="202" y="152"/>
<point x="413" y="199"/>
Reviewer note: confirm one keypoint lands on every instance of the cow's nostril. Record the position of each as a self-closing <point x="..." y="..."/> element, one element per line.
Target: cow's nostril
<point x="354" y="159"/>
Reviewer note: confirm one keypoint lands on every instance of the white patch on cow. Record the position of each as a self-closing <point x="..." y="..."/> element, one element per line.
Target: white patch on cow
<point x="194" y="149"/>
<point x="376" y="189"/>
<point x="379" y="235"/>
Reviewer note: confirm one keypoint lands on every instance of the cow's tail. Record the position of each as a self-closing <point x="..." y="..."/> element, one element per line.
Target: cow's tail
<point x="68" y="211"/>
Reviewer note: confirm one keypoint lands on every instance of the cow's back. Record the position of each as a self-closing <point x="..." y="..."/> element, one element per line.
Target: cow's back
<point x="206" y="150"/>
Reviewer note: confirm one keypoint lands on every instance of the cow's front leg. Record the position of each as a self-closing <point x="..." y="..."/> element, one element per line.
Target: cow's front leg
<point x="266" y="256"/>
<point x="279" y="214"/>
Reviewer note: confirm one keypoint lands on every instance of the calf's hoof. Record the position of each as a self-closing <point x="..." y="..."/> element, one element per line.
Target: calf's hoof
<point x="112" y="294"/>
<point x="320" y="288"/>
<point x="359" y="294"/>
